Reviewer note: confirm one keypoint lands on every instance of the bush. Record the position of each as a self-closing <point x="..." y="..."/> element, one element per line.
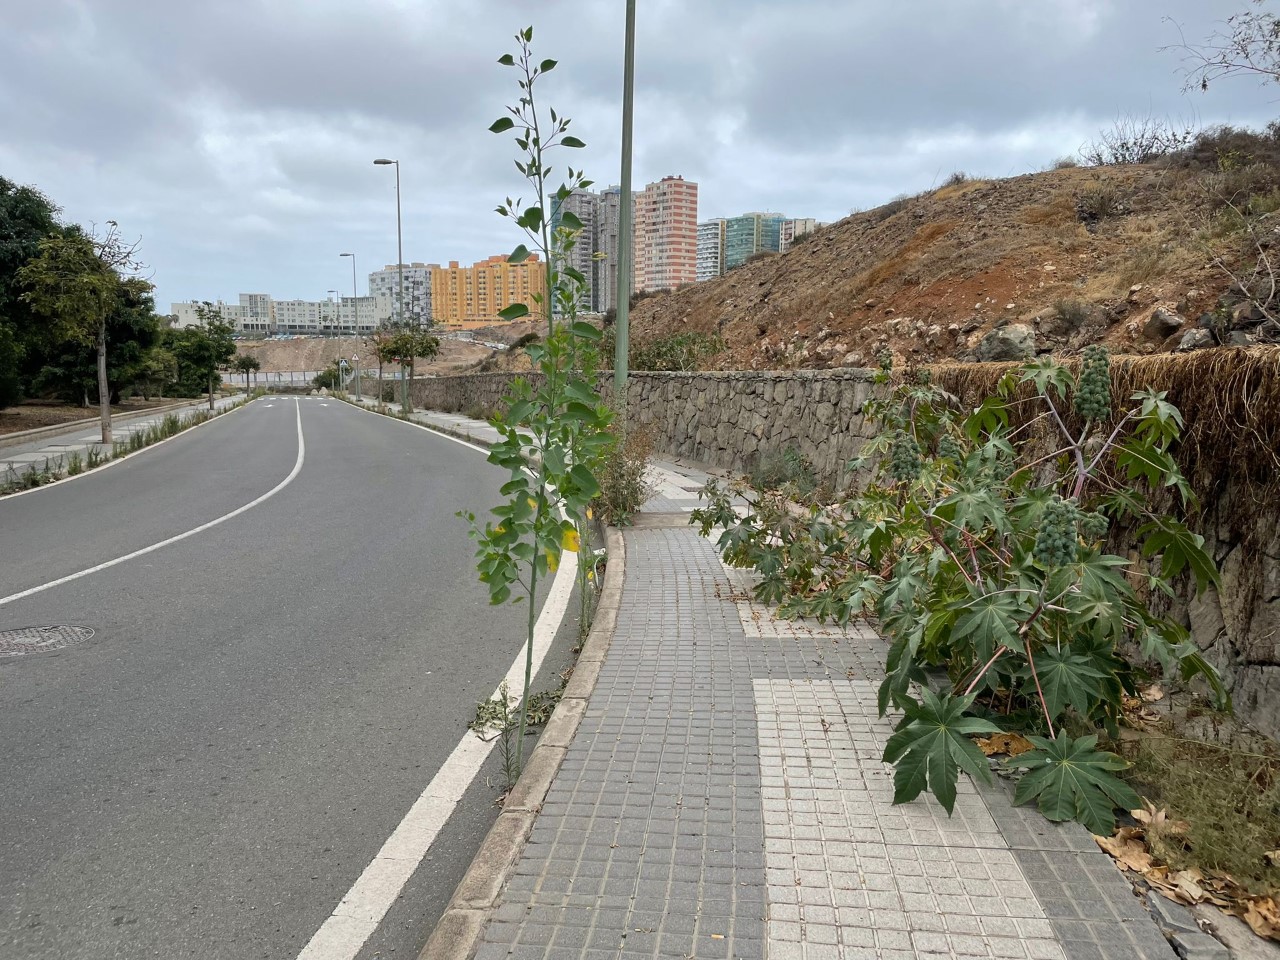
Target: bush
<point x="681" y="352"/>
<point x="787" y="471"/>
<point x="1073" y="313"/>
<point x="894" y="206"/>
<point x="1225" y="147"/>
<point x="980" y="547"/>
<point x="623" y="488"/>
<point x="1134" y="139"/>
<point x="523" y="341"/>
<point x="956" y="179"/>
<point x="1100" y="201"/>
<point x="1065" y="163"/>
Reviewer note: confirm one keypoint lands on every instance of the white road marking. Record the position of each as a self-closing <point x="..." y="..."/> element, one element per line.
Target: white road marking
<point x="297" y="468"/>
<point x="360" y="912"/>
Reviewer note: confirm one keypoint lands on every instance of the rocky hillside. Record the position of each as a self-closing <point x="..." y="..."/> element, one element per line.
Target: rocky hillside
<point x="1139" y="257"/>
<point x="316" y="353"/>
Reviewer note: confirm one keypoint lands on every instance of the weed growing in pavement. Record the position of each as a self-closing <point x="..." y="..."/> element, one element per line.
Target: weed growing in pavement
<point x="75" y="464"/>
<point x="980" y="547"/>
<point x="499" y="718"/>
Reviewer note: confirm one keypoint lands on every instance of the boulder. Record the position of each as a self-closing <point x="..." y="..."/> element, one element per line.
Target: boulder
<point x="1196" y="340"/>
<point x="1016" y="341"/>
<point x="1162" y="325"/>
<point x="1247" y="315"/>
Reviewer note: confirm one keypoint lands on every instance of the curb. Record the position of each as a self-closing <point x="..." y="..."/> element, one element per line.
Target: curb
<point x="458" y="932"/>
<point x="58" y="429"/>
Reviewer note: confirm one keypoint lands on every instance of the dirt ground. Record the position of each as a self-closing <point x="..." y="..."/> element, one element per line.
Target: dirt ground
<point x="29" y="416"/>
<point x="315" y="354"/>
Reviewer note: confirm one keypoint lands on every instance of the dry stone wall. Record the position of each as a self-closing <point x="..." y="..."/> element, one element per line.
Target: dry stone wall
<point x="729" y="419"/>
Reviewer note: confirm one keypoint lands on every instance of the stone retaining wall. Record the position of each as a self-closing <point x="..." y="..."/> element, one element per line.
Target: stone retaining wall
<point x="730" y="419"/>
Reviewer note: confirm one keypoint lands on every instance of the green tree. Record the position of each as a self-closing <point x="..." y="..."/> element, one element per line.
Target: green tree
<point x="26" y="218"/>
<point x="75" y="283"/>
<point x="158" y="367"/>
<point x="406" y="345"/>
<point x="67" y="367"/>
<point x="247" y="365"/>
<point x="203" y="349"/>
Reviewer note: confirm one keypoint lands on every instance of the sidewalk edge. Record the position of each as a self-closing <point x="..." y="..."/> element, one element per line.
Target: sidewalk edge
<point x="458" y="931"/>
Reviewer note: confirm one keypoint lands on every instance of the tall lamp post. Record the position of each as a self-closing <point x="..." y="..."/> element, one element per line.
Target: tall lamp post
<point x="355" y="296"/>
<point x="404" y="383"/>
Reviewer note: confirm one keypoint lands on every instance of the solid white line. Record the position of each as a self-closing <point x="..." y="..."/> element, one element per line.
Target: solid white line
<point x="358" y="914"/>
<point x="297" y="468"/>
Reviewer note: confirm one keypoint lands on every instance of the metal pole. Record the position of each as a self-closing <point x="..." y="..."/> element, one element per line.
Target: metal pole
<point x="621" y="333"/>
<point x="404" y="383"/>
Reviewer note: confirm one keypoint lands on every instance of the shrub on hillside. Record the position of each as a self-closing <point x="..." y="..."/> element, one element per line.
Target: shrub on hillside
<point x="1134" y="139"/>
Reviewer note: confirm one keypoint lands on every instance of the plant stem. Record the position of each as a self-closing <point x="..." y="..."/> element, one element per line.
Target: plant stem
<point x="528" y="665"/>
<point x="987" y="666"/>
<point x="1026" y="644"/>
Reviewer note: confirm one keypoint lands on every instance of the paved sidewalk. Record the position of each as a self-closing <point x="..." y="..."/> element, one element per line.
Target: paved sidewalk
<point x="56" y="450"/>
<point x="724" y="797"/>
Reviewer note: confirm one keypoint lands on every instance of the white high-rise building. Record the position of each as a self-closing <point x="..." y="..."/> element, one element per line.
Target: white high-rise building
<point x="417" y="288"/>
<point x="710" y="249"/>
<point x="791" y="229"/>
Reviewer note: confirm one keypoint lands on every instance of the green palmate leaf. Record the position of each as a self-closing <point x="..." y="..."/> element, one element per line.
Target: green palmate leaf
<point x="501" y="125"/>
<point x="974" y="507"/>
<point x="988" y="619"/>
<point x="1179" y="549"/>
<point x="514" y="312"/>
<point x="932" y="746"/>
<point x="519" y="255"/>
<point x="1073" y="780"/>
<point x="1067" y="678"/>
<point x="1047" y="373"/>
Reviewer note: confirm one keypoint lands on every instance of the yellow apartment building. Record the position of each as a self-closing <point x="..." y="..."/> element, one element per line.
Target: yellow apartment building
<point x="476" y="294"/>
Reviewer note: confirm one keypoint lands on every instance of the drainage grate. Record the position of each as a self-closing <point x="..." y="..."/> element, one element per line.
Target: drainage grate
<point x="16" y="643"/>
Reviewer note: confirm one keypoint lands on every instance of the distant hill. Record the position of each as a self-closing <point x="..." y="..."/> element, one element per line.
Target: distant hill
<point x="989" y="269"/>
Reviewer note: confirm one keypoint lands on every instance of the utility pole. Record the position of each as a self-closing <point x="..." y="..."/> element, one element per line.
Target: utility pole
<point x="621" y="332"/>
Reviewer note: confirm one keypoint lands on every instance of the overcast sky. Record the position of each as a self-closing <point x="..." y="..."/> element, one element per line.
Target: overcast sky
<point x="237" y="137"/>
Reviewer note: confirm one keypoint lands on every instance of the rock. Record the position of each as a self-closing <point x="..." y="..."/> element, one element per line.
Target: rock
<point x="1162" y="325"/>
<point x="1247" y="315"/>
<point x="852" y="359"/>
<point x="1238" y="338"/>
<point x="1196" y="340"/>
<point x="1207" y="321"/>
<point x="1016" y="341"/>
<point x="871" y="304"/>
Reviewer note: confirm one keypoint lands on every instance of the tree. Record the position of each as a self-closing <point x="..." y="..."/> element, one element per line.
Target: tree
<point x="381" y="338"/>
<point x="204" y="348"/>
<point x="67" y="368"/>
<point x="157" y="368"/>
<point x="26" y="218"/>
<point x="1247" y="45"/>
<point x="405" y="346"/>
<point x="75" y="282"/>
<point x="246" y="364"/>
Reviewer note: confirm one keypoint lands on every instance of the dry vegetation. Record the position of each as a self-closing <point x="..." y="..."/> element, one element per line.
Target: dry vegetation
<point x="928" y="276"/>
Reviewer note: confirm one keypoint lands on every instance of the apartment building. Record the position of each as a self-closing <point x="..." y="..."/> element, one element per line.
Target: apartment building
<point x="666" y="234"/>
<point x="750" y="234"/>
<point x="585" y="206"/>
<point x="710" y="248"/>
<point x="791" y="229"/>
<point x="477" y="294"/>
<point x="417" y="288"/>
<point x="258" y="315"/>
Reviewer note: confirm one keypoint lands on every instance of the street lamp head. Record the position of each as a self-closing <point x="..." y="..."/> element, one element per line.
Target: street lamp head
<point x="385" y="163"/>
<point x="346" y="254"/>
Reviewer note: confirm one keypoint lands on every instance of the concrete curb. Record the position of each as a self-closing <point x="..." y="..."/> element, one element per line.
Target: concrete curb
<point x="58" y="429"/>
<point x="458" y="932"/>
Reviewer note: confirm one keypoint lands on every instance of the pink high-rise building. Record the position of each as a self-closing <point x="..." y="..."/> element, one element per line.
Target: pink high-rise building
<point x="666" y="234"/>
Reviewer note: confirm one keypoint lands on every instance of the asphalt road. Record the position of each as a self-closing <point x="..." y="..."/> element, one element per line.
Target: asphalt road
<point x="261" y="703"/>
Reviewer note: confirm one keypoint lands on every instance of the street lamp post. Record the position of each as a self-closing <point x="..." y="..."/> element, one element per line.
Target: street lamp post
<point x="355" y="296"/>
<point x="404" y="383"/>
<point x="355" y="362"/>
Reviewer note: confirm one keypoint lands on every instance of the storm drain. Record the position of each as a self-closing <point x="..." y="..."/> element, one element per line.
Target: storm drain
<point x="16" y="643"/>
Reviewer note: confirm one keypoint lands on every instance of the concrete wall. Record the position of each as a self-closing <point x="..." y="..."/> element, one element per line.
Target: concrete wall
<point x="729" y="419"/>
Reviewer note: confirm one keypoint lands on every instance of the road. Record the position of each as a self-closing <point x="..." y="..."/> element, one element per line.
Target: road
<point x="262" y="702"/>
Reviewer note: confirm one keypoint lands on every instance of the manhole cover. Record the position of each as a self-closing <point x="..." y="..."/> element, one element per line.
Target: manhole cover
<point x="16" y="643"/>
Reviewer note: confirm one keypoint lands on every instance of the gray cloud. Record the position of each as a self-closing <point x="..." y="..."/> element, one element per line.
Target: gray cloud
<point x="237" y="137"/>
